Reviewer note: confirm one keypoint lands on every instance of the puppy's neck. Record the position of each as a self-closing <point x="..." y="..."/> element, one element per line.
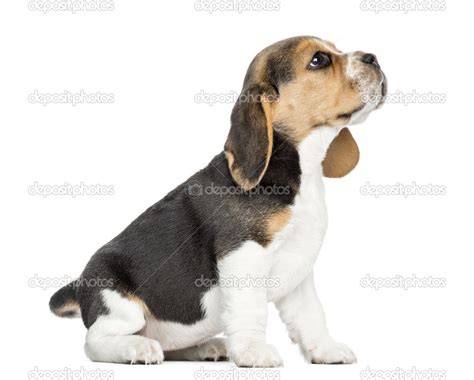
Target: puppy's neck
<point x="312" y="150"/>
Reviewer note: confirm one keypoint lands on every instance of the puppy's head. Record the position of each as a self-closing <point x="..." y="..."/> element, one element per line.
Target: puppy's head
<point x="293" y="87"/>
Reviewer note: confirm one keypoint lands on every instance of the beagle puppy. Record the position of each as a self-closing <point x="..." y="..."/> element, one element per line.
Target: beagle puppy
<point x="201" y="262"/>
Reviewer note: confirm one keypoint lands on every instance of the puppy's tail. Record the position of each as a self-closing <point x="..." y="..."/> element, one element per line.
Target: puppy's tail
<point x="64" y="302"/>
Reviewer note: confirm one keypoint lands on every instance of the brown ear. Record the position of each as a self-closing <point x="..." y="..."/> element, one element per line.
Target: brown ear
<point x="250" y="141"/>
<point x="342" y="155"/>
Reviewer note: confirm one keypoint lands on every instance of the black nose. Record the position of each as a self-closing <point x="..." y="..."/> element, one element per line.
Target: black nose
<point x="370" y="59"/>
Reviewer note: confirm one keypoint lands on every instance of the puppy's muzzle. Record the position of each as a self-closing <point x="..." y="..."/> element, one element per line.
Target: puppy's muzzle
<point x="370" y="59"/>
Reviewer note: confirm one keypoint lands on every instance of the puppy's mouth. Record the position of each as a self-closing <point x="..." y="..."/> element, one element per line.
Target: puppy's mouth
<point x="348" y="115"/>
<point x="372" y="97"/>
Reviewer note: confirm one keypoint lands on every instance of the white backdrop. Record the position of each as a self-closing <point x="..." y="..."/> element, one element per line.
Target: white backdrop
<point x="148" y="65"/>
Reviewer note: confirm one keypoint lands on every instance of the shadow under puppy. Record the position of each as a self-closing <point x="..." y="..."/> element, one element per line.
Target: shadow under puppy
<point x="242" y="232"/>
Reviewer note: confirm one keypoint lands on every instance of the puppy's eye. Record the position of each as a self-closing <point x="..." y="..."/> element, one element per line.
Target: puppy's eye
<point x="319" y="61"/>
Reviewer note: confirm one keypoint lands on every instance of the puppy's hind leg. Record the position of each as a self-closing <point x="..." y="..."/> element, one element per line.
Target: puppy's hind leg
<point x="213" y="349"/>
<point x="111" y="337"/>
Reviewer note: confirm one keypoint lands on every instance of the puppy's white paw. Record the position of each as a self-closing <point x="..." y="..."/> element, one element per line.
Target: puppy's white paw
<point x="332" y="353"/>
<point x="255" y="354"/>
<point x="145" y="351"/>
<point x="213" y="349"/>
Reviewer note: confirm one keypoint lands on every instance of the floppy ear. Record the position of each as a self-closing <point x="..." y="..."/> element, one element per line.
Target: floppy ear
<point x="342" y="155"/>
<point x="250" y="141"/>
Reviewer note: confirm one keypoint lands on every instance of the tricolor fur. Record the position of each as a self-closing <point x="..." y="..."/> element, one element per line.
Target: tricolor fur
<point x="169" y="274"/>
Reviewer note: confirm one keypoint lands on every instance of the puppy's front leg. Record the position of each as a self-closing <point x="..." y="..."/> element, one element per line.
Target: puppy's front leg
<point x="244" y="303"/>
<point x="304" y="317"/>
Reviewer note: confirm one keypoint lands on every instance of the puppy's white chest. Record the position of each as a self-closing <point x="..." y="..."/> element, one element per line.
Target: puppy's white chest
<point x="297" y="245"/>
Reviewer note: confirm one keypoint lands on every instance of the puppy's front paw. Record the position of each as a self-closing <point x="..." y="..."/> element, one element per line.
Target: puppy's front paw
<point x="145" y="351"/>
<point x="255" y="354"/>
<point x="332" y="353"/>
